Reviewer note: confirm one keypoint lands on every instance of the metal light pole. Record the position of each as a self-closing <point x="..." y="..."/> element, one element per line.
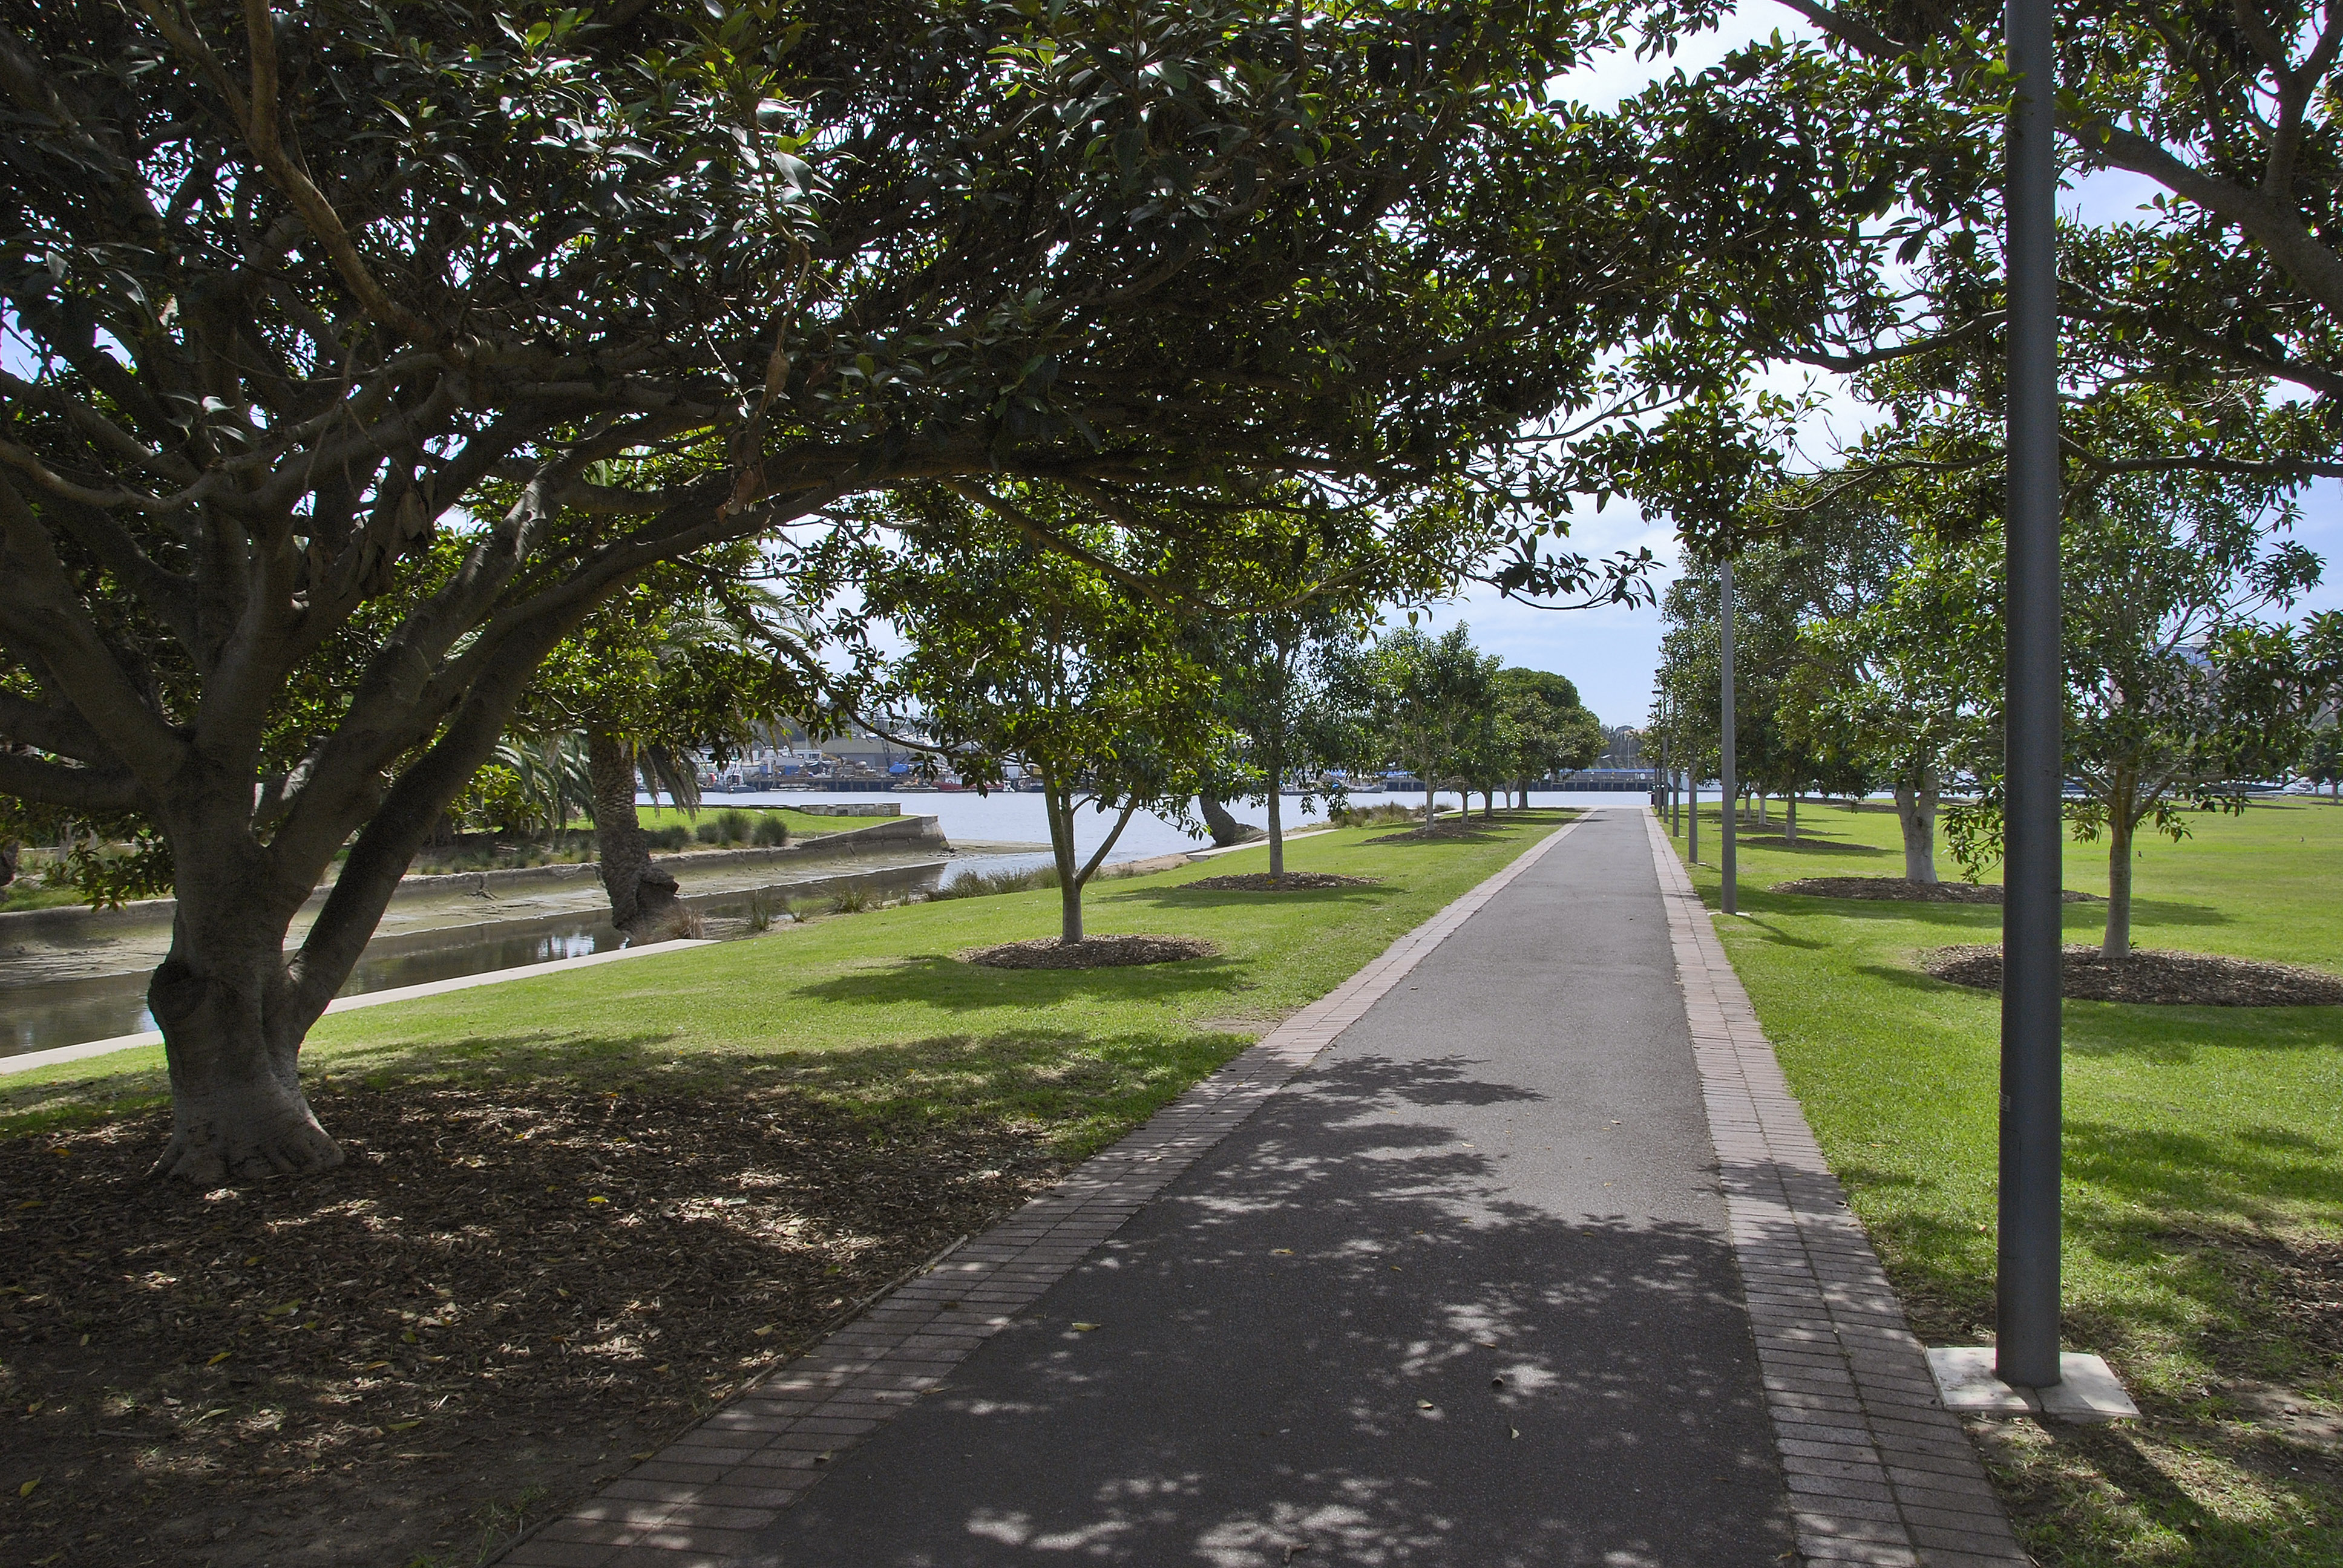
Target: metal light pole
<point x="1729" y="795"/>
<point x="2026" y="1341"/>
<point x="1665" y="779"/>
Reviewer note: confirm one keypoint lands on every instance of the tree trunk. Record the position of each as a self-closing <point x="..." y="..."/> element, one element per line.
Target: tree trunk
<point x="2116" y="946"/>
<point x="1060" y="808"/>
<point x="233" y="1015"/>
<point x="1276" y="817"/>
<point x="1761" y="807"/>
<point x="1427" y="792"/>
<point x="9" y="851"/>
<point x="644" y="901"/>
<point x="1224" y="828"/>
<point x="1790" y="826"/>
<point x="1916" y="812"/>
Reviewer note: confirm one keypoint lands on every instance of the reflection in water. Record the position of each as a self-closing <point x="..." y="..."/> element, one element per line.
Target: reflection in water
<point x="68" y="1012"/>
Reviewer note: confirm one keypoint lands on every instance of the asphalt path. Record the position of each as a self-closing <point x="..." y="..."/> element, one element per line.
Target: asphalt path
<point x="1461" y="1294"/>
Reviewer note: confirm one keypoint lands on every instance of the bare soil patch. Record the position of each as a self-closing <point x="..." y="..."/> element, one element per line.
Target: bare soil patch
<point x="1292" y="881"/>
<point x="1091" y="952"/>
<point x="500" y="1301"/>
<point x="1909" y="890"/>
<point x="2148" y="975"/>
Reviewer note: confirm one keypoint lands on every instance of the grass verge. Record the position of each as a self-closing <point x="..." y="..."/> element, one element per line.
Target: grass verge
<point x="579" y="1210"/>
<point x="2204" y="1186"/>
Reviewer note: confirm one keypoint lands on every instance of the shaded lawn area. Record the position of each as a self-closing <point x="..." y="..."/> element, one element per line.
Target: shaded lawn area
<point x="2204" y="1190"/>
<point x="581" y="1210"/>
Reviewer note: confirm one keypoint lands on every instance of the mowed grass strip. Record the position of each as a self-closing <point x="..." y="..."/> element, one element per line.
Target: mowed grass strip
<point x="876" y="1012"/>
<point x="2204" y="1169"/>
<point x="801" y="824"/>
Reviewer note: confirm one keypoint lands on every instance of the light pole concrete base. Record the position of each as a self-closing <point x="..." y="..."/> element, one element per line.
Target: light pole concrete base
<point x="2085" y="1390"/>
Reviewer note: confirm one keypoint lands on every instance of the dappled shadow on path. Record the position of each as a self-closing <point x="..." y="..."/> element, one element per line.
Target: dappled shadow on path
<point x="1359" y="1330"/>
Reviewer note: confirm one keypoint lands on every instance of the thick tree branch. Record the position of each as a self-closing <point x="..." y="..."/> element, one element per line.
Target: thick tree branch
<point x="40" y="608"/>
<point x="91" y="789"/>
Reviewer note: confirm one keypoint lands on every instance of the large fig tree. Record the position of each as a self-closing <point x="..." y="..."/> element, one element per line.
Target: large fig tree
<point x="290" y="292"/>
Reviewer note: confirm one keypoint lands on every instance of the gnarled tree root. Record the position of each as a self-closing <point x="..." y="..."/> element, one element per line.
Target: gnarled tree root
<point x="209" y="1153"/>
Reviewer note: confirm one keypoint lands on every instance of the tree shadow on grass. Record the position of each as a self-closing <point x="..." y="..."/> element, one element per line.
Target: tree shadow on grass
<point x="1079" y="1089"/>
<point x="2204" y="1175"/>
<point x="2148" y="912"/>
<point x="1447" y="834"/>
<point x="1779" y="937"/>
<point x="1958" y="918"/>
<point x="1915" y="980"/>
<point x="1813" y="847"/>
<point x="1175" y="897"/>
<point x="937" y="980"/>
<point x="2175" y="1036"/>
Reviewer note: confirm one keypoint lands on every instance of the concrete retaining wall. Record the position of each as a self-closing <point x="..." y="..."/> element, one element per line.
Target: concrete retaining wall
<point x="70" y="922"/>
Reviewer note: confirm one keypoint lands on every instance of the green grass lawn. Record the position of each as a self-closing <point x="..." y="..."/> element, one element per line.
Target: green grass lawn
<point x="801" y="824"/>
<point x="875" y="1012"/>
<point x="2204" y="1190"/>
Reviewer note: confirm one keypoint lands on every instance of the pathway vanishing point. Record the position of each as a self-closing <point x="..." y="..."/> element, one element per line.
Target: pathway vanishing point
<point x="1515" y="1250"/>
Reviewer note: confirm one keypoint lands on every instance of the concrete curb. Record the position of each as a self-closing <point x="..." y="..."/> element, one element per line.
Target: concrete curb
<point x="1879" y="1472"/>
<point x="33" y="1059"/>
<point x="702" y="1500"/>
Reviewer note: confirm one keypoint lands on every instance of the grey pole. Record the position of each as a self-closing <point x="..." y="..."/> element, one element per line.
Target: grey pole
<point x="2026" y="1343"/>
<point x="1692" y="802"/>
<point x="1663" y="780"/>
<point x="1728" y="795"/>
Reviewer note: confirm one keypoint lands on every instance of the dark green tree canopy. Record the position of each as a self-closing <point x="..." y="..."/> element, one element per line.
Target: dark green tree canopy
<point x="292" y="287"/>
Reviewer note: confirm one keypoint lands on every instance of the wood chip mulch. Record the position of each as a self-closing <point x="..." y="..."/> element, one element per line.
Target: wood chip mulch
<point x="1289" y="882"/>
<point x="2148" y="975"/>
<point x="1091" y="952"/>
<point x="1909" y="890"/>
<point x="497" y="1304"/>
<point x="1437" y="830"/>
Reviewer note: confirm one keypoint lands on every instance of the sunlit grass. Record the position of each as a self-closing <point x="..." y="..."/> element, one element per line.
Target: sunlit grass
<point x="2198" y="1139"/>
<point x="877" y="1010"/>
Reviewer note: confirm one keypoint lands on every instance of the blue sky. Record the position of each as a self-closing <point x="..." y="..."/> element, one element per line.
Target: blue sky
<point x="1612" y="653"/>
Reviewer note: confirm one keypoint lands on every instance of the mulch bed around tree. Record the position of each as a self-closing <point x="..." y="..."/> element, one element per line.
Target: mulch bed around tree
<point x="1091" y="952"/>
<point x="1907" y="890"/>
<point x="2148" y="975"/>
<point x="1292" y="881"/>
<point x="502" y="1299"/>
<point x="1437" y="830"/>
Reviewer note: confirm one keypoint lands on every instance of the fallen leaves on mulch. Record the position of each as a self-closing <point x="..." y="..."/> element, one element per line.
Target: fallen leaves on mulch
<point x="1290" y="881"/>
<point x="2148" y="975"/>
<point x="503" y="1297"/>
<point x="1907" y="889"/>
<point x="1091" y="952"/>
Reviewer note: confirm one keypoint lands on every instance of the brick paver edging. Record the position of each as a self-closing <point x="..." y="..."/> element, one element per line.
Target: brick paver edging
<point x="702" y="1500"/>
<point x="1879" y="1472"/>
